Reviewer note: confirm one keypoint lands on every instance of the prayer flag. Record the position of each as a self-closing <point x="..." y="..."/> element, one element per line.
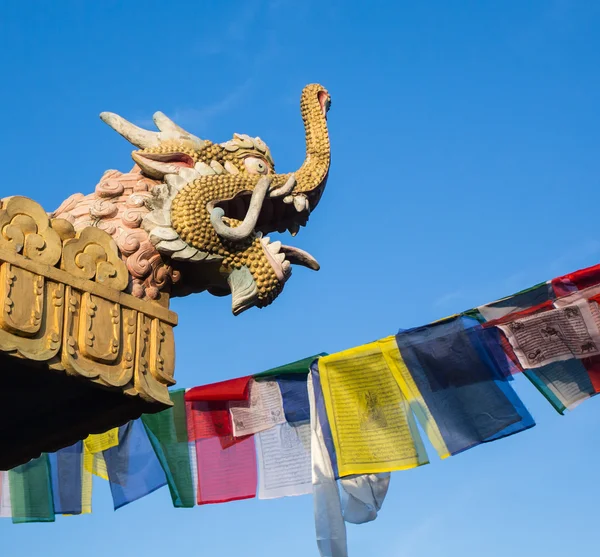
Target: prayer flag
<point x="565" y="384"/>
<point x="579" y="280"/>
<point x="262" y="410"/>
<point x="284" y="461"/>
<point x="226" y="465"/>
<point x="372" y="425"/>
<point x="93" y="446"/>
<point x="31" y="492"/>
<point x="134" y="470"/>
<point x="294" y="393"/>
<point x="168" y="435"/>
<point x="226" y="473"/>
<point x="232" y="389"/>
<point x="67" y="472"/>
<point x="464" y="390"/>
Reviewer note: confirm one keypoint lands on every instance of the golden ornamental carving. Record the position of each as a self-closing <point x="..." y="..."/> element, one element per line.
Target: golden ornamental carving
<point x="62" y="302"/>
<point x="26" y="229"/>
<point x="93" y="255"/>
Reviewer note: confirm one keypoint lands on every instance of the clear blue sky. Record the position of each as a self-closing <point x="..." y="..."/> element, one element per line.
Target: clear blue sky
<point x="466" y="143"/>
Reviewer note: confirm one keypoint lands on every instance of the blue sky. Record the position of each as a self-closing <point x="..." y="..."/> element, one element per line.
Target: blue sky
<point x="465" y="139"/>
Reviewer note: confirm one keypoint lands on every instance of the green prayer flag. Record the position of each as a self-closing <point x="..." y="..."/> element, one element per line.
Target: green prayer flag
<point x="300" y="366"/>
<point x="167" y="432"/>
<point x="31" y="492"/>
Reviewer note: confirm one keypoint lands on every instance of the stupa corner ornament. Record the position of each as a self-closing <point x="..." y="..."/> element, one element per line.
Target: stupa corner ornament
<point x="84" y="290"/>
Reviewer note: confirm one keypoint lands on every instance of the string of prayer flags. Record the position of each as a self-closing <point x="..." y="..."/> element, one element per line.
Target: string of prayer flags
<point x="31" y="492"/>
<point x="134" y="470"/>
<point x="337" y="425"/>
<point x="372" y="425"/>
<point x="167" y="431"/>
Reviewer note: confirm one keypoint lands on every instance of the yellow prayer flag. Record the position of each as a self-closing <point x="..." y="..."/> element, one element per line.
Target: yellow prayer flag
<point x="371" y="422"/>
<point x="98" y="442"/>
<point x="389" y="348"/>
<point x="93" y="445"/>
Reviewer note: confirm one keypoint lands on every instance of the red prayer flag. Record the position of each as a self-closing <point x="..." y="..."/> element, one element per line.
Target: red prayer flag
<point x="208" y="419"/>
<point x="226" y="464"/>
<point x="232" y="389"/>
<point x="226" y="474"/>
<point x="578" y="280"/>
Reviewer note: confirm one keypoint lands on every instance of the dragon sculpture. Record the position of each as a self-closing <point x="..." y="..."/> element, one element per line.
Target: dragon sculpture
<point x="85" y="326"/>
<point x="193" y="215"/>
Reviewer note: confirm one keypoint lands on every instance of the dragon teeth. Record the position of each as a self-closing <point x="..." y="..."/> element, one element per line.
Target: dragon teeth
<point x="300" y="203"/>
<point x="280" y="257"/>
<point x="266" y="241"/>
<point x="288" y="199"/>
<point x="274" y="247"/>
<point x="286" y="266"/>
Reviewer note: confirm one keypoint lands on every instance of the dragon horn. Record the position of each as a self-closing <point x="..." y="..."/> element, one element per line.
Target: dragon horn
<point x="170" y="128"/>
<point x="137" y="136"/>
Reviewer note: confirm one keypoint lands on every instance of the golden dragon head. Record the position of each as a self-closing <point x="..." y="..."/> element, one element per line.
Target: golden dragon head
<point x="216" y="203"/>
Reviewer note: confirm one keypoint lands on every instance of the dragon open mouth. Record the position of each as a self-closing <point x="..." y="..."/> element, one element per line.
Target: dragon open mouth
<point x="277" y="215"/>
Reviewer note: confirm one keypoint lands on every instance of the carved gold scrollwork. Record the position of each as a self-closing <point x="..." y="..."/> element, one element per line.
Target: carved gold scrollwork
<point x="25" y="228"/>
<point x="94" y="255"/>
<point x="99" y="340"/>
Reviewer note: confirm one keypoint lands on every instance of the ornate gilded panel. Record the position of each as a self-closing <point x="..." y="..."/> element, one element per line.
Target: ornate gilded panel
<point x="99" y="339"/>
<point x="31" y="313"/>
<point x="21" y="300"/>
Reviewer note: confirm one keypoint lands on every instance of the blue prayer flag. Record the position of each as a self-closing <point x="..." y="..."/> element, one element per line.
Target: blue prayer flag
<point x="295" y="398"/>
<point x="133" y="467"/>
<point x="461" y="383"/>
<point x="66" y="470"/>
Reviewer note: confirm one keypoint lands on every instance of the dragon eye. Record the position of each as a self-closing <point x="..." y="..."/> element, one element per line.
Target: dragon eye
<point x="254" y="165"/>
